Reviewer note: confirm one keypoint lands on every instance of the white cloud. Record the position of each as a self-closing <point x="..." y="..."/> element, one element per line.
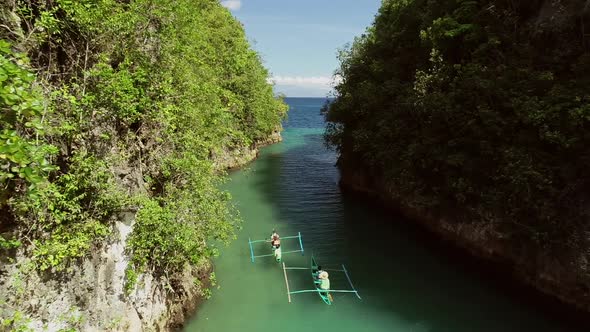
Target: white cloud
<point x="232" y="4"/>
<point x="324" y="82"/>
<point x="302" y="86"/>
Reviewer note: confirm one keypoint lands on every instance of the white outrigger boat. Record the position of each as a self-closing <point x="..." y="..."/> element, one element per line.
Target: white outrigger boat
<point x="279" y="254"/>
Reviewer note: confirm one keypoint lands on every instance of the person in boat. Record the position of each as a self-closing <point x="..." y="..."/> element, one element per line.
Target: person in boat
<point x="275" y="239"/>
<point x="323" y="282"/>
<point x="277" y="252"/>
<point x="321" y="278"/>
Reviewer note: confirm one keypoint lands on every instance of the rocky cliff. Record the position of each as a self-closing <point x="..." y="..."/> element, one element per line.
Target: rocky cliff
<point x="91" y="295"/>
<point x="117" y="121"/>
<point x="546" y="274"/>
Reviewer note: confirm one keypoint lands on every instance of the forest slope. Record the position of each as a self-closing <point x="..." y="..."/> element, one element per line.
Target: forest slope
<point x="114" y="115"/>
<point x="473" y="117"/>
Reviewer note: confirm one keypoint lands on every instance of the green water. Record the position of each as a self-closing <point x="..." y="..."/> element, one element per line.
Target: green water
<point x="405" y="285"/>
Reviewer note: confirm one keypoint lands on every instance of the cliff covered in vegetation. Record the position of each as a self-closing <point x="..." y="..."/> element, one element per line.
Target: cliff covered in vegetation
<point x="116" y="118"/>
<point x="473" y="117"/>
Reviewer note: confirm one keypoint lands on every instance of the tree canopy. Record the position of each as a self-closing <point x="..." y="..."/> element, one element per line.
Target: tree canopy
<point x="476" y="111"/>
<point x="111" y="106"/>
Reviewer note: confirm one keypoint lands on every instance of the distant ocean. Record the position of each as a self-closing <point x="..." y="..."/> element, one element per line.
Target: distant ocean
<point x="304" y="112"/>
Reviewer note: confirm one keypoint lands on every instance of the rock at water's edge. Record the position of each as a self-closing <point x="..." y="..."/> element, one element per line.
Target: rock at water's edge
<point x="547" y="275"/>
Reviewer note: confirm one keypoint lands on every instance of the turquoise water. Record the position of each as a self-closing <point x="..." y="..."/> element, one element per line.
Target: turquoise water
<point x="406" y="284"/>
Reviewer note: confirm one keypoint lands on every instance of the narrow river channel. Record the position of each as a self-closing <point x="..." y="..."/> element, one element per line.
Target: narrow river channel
<point x="405" y="285"/>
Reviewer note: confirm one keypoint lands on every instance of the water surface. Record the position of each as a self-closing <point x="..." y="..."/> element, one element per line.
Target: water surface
<point x="406" y="285"/>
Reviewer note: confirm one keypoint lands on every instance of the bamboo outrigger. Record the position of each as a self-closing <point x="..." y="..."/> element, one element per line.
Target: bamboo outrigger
<point x="323" y="293"/>
<point x="298" y="236"/>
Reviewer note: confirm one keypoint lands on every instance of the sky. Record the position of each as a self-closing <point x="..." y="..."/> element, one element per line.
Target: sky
<point x="298" y="40"/>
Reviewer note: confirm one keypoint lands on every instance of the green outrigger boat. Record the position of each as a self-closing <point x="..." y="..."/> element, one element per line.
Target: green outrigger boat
<point x="326" y="297"/>
<point x="324" y="294"/>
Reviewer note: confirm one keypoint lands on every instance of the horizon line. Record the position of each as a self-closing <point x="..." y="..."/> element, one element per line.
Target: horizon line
<point x="308" y="97"/>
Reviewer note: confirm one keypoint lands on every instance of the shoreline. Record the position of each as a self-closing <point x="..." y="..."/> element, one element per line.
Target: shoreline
<point x="235" y="160"/>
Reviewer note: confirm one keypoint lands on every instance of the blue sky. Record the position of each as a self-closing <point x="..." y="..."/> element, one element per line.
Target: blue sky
<point x="298" y="39"/>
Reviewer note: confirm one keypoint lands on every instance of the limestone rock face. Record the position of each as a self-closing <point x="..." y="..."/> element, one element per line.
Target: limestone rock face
<point x="234" y="158"/>
<point x="90" y="296"/>
<point x="273" y="138"/>
<point x="546" y="274"/>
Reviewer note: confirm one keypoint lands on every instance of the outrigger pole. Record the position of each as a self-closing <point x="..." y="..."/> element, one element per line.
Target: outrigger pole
<point x="350" y="282"/>
<point x="287" y="282"/>
<point x="251" y="250"/>
<point x="298" y="236"/>
<point x="317" y="291"/>
<point x="353" y="290"/>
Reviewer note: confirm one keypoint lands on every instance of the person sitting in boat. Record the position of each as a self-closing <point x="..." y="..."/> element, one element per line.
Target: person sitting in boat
<point x="323" y="280"/>
<point x="278" y="253"/>
<point x="275" y="239"/>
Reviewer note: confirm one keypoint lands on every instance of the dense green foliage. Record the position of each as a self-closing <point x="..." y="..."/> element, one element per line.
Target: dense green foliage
<point x="128" y="102"/>
<point x="477" y="111"/>
<point x="23" y="155"/>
